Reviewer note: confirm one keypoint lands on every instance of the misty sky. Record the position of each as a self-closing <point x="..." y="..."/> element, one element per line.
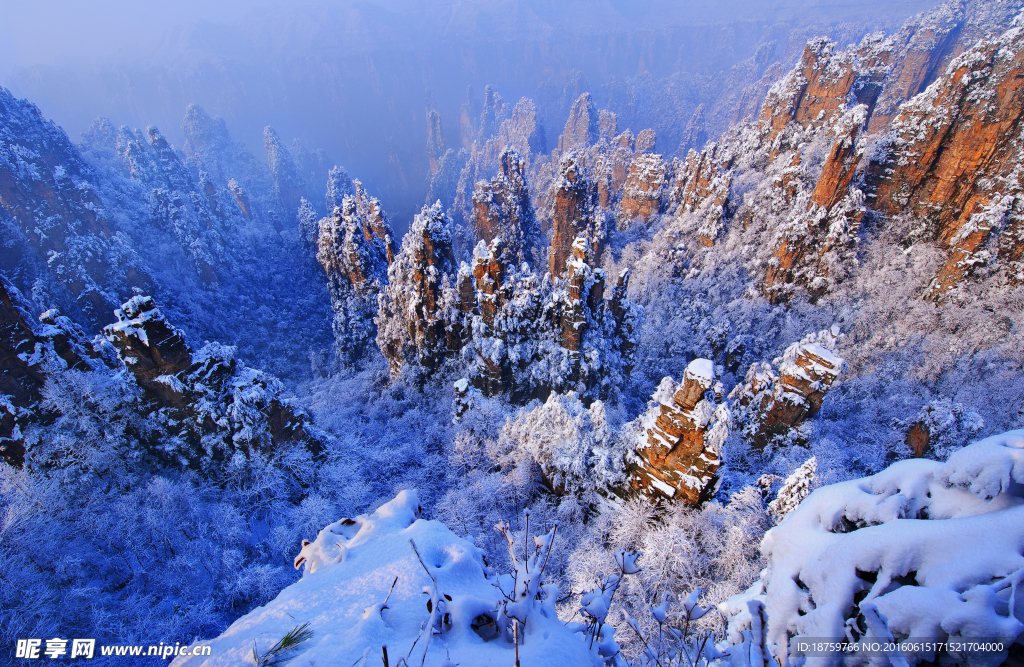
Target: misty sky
<point x="352" y="77"/>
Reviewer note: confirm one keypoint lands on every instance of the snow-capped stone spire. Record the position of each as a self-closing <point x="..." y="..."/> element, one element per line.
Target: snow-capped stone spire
<point x="410" y="321"/>
<point x="289" y="184"/>
<point x="355" y="250"/>
<point x="502" y="208"/>
<point x="573" y="213"/>
<point x="583" y="125"/>
<point x="773" y="406"/>
<point x="681" y="436"/>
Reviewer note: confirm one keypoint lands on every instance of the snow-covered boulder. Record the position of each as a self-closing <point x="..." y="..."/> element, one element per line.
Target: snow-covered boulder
<point x="364" y="588"/>
<point x="937" y="549"/>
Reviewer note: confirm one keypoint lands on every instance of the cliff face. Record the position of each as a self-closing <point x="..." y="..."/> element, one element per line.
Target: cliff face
<point x="583" y="127"/>
<point x="948" y="162"/>
<point x="526" y="335"/>
<point x="410" y="323"/>
<point x="355" y="249"/>
<point x="573" y="212"/>
<point x="21" y="377"/>
<point x="192" y="211"/>
<point x="290" y="186"/>
<point x="502" y="209"/>
<point x="522" y="333"/>
<point x="680" y="438"/>
<point x="29" y="352"/>
<point x="644" y="189"/>
<point x="700" y="189"/>
<point x="955" y="157"/>
<point x="215" y="405"/>
<point x="49" y="197"/>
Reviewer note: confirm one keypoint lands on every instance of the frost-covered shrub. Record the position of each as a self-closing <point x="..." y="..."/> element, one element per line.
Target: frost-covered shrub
<point x="794" y="489"/>
<point x="681" y="548"/>
<point x="574" y="445"/>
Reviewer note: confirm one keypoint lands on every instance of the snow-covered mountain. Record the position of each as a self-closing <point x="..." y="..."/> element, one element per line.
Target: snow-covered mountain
<point x="607" y="401"/>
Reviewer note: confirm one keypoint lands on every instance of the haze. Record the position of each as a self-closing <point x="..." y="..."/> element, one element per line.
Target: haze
<point x="355" y="78"/>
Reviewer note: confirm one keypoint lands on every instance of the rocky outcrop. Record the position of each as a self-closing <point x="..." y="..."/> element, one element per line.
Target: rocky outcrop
<point x="411" y="327"/>
<point x="215" y="405"/>
<point x="583" y="126"/>
<point x="585" y="289"/>
<point x="573" y="212"/>
<point x="242" y="199"/>
<point x="502" y="209"/>
<point x="355" y="245"/>
<point x="700" y="188"/>
<point x="290" y="186"/>
<point x="813" y="93"/>
<point x="50" y="195"/>
<point x="177" y="203"/>
<point x="526" y="335"/>
<point x="208" y="144"/>
<point x="28" y="352"/>
<point x="355" y="249"/>
<point x="522" y="131"/>
<point x="646" y="141"/>
<point x="678" y="451"/>
<point x="610" y="164"/>
<point x="150" y="347"/>
<point x="954" y="159"/>
<point x="816" y="245"/>
<point x="695" y="135"/>
<point x="338" y="186"/>
<point x="644" y="190"/>
<point x="522" y="333"/>
<point x="772" y="407"/>
<point x="21" y="380"/>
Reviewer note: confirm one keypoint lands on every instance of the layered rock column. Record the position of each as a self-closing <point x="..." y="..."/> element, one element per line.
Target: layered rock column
<point x="573" y="212"/>
<point x="681" y="436"/>
<point x="642" y="197"/>
<point x="502" y="209"/>
<point x="773" y="406"/>
<point x="410" y="324"/>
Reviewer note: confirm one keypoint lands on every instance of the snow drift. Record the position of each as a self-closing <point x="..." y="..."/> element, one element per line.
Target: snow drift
<point x="346" y="597"/>
<point x="936" y="548"/>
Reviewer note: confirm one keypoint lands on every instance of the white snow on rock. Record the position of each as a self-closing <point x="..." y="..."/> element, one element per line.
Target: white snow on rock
<point x="348" y="571"/>
<point x="702" y="370"/>
<point x="937" y="548"/>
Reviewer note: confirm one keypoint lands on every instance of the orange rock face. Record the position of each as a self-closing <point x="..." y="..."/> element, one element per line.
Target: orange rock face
<point x="813" y="93"/>
<point x="644" y="189"/>
<point x="583" y="126"/>
<point x="955" y="158"/>
<point x="572" y="212"/>
<point x="502" y="209"/>
<point x="679" y="454"/>
<point x="772" y="406"/>
<point x="700" y="185"/>
<point x="822" y="235"/>
<point x="611" y="168"/>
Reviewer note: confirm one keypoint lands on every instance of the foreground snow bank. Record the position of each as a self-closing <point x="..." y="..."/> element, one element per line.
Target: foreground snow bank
<point x="348" y="572"/>
<point x="936" y="548"/>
